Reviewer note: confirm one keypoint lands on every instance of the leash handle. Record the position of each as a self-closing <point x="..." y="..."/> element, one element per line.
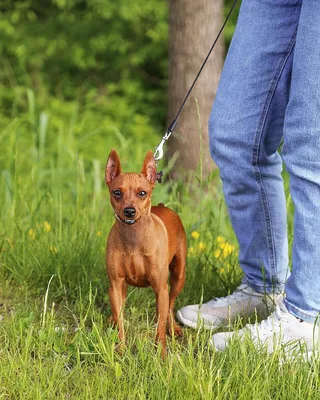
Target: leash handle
<point x="158" y="154"/>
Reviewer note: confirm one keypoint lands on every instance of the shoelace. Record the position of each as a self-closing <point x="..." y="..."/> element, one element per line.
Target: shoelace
<point x="231" y="298"/>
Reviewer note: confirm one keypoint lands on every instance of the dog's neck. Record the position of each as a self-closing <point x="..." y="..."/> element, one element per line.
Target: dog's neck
<point x="137" y="234"/>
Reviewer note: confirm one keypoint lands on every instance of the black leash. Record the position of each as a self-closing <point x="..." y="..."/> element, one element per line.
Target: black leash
<point x="158" y="154"/>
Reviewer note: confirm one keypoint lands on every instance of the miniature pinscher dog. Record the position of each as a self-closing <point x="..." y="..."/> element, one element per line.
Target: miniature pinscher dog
<point x="145" y="244"/>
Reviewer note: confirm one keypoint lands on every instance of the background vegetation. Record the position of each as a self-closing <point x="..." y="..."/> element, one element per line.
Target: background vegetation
<point x="76" y="79"/>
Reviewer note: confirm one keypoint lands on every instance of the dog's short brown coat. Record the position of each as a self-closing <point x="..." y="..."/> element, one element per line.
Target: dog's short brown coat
<point x="142" y="251"/>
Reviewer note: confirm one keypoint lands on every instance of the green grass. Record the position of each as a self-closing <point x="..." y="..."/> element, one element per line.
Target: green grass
<point x="55" y="341"/>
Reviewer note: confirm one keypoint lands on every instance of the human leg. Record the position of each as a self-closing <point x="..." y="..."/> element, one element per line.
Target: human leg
<point x="294" y="326"/>
<point x="301" y="154"/>
<point x="246" y="127"/>
<point x="245" y="131"/>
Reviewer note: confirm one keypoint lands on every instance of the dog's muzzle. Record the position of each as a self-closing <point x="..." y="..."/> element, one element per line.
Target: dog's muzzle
<point x="129" y="212"/>
<point x="126" y="221"/>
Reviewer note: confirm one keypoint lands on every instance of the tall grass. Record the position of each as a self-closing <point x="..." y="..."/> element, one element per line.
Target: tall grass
<point x="55" y="341"/>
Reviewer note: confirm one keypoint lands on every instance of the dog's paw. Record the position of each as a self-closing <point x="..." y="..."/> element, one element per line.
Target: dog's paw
<point x="111" y="322"/>
<point x="178" y="331"/>
<point x="175" y="331"/>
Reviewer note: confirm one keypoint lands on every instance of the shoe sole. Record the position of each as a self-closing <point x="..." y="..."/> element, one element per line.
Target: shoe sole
<point x="213" y="346"/>
<point x="195" y="325"/>
<point x="308" y="357"/>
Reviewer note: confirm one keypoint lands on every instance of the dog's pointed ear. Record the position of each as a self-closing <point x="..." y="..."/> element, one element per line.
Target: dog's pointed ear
<point x="113" y="167"/>
<point x="149" y="168"/>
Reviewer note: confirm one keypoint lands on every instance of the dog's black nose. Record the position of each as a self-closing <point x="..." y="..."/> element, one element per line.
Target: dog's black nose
<point x="129" y="212"/>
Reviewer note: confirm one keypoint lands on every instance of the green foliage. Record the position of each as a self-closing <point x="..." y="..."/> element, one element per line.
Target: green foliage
<point x="110" y="56"/>
<point x="112" y="53"/>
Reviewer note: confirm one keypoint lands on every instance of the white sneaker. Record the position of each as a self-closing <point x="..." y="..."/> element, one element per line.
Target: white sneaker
<point x="243" y="302"/>
<point x="280" y="330"/>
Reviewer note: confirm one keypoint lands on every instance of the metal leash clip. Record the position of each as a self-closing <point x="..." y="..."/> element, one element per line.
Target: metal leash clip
<point x="158" y="153"/>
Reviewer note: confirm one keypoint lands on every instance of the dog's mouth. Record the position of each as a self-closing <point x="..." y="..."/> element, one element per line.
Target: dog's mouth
<point x="126" y="221"/>
<point x="129" y="221"/>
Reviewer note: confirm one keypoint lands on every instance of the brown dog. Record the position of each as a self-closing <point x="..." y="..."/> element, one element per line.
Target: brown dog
<point x="143" y="245"/>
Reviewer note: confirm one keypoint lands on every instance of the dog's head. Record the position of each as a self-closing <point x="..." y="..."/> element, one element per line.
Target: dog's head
<point x="130" y="193"/>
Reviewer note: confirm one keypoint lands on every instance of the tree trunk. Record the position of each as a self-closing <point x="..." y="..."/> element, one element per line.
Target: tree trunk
<point x="193" y="26"/>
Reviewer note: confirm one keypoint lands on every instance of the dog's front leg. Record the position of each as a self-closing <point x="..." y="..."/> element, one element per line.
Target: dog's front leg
<point x="162" y="297"/>
<point x="117" y="304"/>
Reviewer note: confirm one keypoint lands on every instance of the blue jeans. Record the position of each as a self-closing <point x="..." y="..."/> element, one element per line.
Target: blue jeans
<point x="269" y="92"/>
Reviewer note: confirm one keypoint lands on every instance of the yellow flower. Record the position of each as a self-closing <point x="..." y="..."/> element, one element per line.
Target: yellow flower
<point x="195" y="235"/>
<point x="220" y="240"/>
<point x="53" y="249"/>
<point x="47" y="226"/>
<point x="228" y="249"/>
<point x="217" y="253"/>
<point x="99" y="233"/>
<point x="191" y="250"/>
<point x="32" y="233"/>
<point x="221" y="270"/>
<point x="201" y="246"/>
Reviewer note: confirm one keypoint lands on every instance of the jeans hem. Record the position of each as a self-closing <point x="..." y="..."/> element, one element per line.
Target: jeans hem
<point x="265" y="288"/>
<point x="301" y="314"/>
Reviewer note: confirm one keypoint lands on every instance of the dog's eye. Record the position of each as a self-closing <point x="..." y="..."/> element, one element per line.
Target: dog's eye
<point x="116" y="193"/>
<point x="142" y="193"/>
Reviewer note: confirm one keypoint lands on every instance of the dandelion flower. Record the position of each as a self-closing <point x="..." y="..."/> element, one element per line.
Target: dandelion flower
<point x="99" y="233"/>
<point x="220" y="239"/>
<point x="32" y="233"/>
<point x="195" y="235"/>
<point x="228" y="249"/>
<point x="53" y="249"/>
<point x="47" y="226"/>
<point x="201" y="246"/>
<point x="217" y="253"/>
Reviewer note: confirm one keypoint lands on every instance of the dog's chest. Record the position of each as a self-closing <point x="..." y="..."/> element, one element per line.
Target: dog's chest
<point x="136" y="269"/>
